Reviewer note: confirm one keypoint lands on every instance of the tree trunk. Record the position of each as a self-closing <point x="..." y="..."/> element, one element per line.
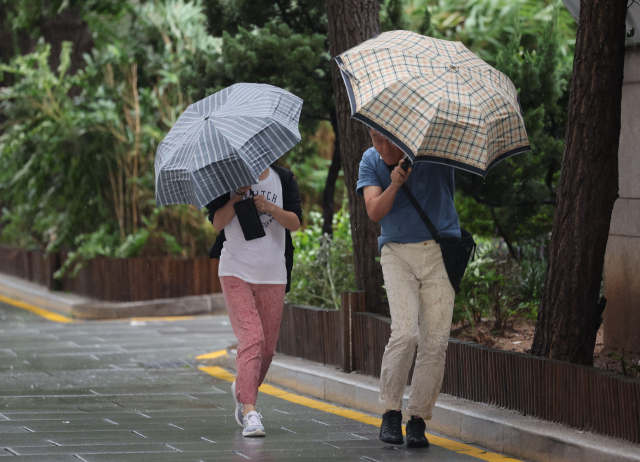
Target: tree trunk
<point x="351" y="22"/>
<point x="569" y="314"/>
<point x="67" y="26"/>
<point x="328" y="197"/>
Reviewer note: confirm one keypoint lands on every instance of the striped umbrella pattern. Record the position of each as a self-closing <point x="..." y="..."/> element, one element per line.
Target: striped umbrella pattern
<point x="225" y="141"/>
<point x="434" y="99"/>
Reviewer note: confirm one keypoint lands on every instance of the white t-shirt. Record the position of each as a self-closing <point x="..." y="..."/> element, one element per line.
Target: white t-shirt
<point x="259" y="261"/>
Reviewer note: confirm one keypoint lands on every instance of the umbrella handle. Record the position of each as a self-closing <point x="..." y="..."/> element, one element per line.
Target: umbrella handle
<point x="406" y="163"/>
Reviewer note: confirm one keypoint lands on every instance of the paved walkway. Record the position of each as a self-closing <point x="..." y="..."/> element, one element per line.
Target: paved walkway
<point x="132" y="391"/>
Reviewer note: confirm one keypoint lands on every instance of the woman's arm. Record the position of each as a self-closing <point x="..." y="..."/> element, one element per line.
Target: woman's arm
<point x="225" y="214"/>
<point x="288" y="220"/>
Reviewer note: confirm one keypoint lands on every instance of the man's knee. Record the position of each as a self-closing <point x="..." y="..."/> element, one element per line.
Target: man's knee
<point x="435" y="342"/>
<point x="403" y="338"/>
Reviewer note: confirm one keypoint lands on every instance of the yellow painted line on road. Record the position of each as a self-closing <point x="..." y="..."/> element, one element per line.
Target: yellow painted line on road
<point x="446" y="443"/>
<point x="50" y="315"/>
<point x="213" y="355"/>
<point x="56" y="317"/>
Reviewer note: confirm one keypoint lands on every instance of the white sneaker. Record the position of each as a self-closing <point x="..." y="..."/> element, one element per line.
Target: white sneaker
<point x="252" y="425"/>
<point x="238" y="413"/>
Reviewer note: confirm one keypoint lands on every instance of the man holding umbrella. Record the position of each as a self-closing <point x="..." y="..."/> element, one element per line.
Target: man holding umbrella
<point x="420" y="295"/>
<point x="439" y="106"/>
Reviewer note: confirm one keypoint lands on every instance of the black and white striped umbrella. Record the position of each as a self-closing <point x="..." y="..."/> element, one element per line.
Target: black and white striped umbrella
<point x="224" y="142"/>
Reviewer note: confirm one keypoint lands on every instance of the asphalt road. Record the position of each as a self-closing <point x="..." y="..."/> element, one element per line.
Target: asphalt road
<point x="132" y="391"/>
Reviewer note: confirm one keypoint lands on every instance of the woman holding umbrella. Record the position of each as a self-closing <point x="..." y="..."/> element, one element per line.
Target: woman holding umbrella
<point x="220" y="154"/>
<point x="255" y="276"/>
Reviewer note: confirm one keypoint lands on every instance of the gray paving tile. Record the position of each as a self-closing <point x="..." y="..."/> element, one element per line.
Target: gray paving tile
<point x="93" y="449"/>
<point x="40" y="458"/>
<point x="10" y="427"/>
<point x="90" y="438"/>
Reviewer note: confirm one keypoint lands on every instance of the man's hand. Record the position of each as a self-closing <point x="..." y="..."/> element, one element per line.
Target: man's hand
<point x="263" y="205"/>
<point x="399" y="176"/>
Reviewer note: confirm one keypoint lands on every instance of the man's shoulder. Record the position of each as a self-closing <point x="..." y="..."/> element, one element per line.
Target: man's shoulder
<point x="370" y="157"/>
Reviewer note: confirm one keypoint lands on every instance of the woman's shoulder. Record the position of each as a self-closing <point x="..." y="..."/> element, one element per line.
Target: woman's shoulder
<point x="283" y="173"/>
<point x="287" y="178"/>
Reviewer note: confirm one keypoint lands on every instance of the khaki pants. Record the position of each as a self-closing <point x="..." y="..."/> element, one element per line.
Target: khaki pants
<point x="421" y="302"/>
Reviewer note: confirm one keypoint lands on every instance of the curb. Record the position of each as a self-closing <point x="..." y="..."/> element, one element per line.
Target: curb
<point x="79" y="307"/>
<point x="475" y="423"/>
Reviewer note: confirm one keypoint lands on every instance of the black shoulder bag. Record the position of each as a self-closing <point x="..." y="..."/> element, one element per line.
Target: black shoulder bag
<point x="456" y="251"/>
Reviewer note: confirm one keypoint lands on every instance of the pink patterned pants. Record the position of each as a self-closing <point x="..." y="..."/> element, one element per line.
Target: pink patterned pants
<point x="255" y="311"/>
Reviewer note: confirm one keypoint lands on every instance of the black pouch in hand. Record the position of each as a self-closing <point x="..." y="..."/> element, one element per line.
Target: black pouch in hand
<point x="249" y="219"/>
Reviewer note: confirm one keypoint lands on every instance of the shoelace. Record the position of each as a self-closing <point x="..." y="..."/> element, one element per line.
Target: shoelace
<point x="254" y="419"/>
<point x="416" y="429"/>
<point x="392" y="422"/>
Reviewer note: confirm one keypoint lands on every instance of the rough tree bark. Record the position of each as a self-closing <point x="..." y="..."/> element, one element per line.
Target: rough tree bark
<point x="328" y="196"/>
<point x="351" y="22"/>
<point x="569" y="314"/>
<point x="67" y="26"/>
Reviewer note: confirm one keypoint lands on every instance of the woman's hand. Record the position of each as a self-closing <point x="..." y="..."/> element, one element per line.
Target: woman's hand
<point x="263" y="205"/>
<point x="225" y="214"/>
<point x="242" y="191"/>
<point x="286" y="219"/>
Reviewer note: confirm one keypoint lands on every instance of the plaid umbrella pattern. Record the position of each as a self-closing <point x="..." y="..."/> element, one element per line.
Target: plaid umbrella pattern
<point x="435" y="100"/>
<point x="224" y="142"/>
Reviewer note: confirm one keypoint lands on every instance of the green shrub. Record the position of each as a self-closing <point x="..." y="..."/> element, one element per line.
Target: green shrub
<point x="77" y="171"/>
<point x="323" y="266"/>
<point x="500" y="285"/>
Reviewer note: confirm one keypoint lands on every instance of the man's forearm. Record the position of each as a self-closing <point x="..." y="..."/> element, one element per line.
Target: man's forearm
<point x="378" y="207"/>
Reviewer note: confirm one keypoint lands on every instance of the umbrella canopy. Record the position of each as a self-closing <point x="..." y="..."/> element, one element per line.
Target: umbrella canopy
<point x="435" y="100"/>
<point x="224" y="142"/>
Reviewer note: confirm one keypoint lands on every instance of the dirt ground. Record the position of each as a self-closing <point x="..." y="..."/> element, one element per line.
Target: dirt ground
<point x="518" y="337"/>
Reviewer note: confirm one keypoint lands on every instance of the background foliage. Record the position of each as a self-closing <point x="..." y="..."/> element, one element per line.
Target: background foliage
<point x="77" y="171"/>
<point x="78" y="141"/>
<point x="323" y="267"/>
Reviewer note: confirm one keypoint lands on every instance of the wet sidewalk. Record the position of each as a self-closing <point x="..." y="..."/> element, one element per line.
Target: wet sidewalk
<point x="132" y="391"/>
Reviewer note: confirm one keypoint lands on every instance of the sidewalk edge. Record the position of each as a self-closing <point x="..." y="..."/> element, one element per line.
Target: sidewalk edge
<point x="78" y="307"/>
<point x="499" y="430"/>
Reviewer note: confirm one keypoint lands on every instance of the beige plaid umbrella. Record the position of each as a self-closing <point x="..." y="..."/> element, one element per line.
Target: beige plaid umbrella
<point x="435" y="100"/>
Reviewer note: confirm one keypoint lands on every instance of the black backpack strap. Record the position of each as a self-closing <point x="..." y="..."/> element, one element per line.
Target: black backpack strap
<point x="422" y="213"/>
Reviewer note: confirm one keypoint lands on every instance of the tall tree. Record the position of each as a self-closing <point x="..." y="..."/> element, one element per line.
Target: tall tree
<point x="350" y="23"/>
<point x="569" y="316"/>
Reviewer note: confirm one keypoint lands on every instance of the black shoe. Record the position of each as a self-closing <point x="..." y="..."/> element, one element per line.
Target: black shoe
<point x="415" y="433"/>
<point x="391" y="428"/>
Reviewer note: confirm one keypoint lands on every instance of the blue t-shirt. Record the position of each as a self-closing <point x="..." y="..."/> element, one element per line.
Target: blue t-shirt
<point x="433" y="187"/>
